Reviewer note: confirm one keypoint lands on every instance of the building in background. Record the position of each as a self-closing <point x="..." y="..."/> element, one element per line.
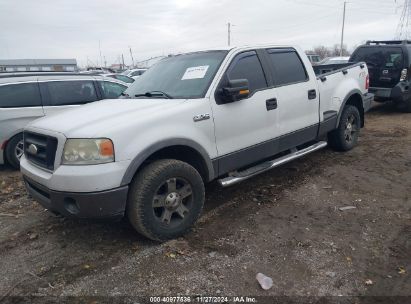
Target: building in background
<point x="35" y="65"/>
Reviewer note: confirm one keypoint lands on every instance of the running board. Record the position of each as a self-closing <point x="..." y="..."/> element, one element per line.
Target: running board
<point x="237" y="177"/>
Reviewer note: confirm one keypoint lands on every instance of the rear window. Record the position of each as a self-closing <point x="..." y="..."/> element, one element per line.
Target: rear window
<point x="381" y="57"/>
<point x="20" y="95"/>
<point x="287" y="66"/>
<point x="71" y="92"/>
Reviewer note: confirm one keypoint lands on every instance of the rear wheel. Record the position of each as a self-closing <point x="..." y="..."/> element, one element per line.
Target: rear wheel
<point x="165" y="199"/>
<point x="15" y="150"/>
<point x="345" y="137"/>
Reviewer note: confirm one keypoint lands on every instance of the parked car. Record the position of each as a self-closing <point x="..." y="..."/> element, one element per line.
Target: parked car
<point x="225" y="114"/>
<point x="120" y="77"/>
<point x="28" y="96"/>
<point x="134" y="73"/>
<point x="389" y="66"/>
<point x="314" y="58"/>
<point x="334" y="60"/>
<point x="99" y="70"/>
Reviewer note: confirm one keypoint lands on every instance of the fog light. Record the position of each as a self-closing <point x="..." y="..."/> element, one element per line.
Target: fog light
<point x="71" y="206"/>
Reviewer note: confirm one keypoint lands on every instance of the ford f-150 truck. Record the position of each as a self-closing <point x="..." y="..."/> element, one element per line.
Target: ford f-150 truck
<point x="225" y="114"/>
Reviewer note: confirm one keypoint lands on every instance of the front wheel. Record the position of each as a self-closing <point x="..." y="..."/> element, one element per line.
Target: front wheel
<point x="15" y="150"/>
<point x="345" y="137"/>
<point x="165" y="199"/>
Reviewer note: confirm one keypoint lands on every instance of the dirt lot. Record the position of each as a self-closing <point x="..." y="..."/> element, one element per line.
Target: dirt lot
<point x="285" y="224"/>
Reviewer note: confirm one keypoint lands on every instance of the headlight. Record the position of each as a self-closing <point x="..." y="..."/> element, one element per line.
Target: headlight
<point x="88" y="151"/>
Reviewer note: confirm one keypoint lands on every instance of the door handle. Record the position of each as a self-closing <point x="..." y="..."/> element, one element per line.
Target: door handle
<point x="312" y="94"/>
<point x="271" y="104"/>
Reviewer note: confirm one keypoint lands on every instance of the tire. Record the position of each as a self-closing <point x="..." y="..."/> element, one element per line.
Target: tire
<point x="14" y="150"/>
<point x="345" y="137"/>
<point x="165" y="199"/>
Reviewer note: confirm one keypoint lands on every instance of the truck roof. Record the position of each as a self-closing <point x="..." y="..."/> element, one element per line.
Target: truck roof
<point x="235" y="48"/>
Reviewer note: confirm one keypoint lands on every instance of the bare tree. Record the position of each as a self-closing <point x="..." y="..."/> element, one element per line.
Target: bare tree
<point x="333" y="51"/>
<point x="336" y="50"/>
<point x="322" y="51"/>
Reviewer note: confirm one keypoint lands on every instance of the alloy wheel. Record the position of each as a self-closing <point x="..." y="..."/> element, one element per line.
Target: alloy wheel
<point x="351" y="129"/>
<point x="172" y="201"/>
<point x="19" y="149"/>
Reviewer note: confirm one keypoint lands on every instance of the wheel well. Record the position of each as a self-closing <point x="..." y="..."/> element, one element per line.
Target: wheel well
<point x="182" y="153"/>
<point x="6" y="144"/>
<point x="356" y="101"/>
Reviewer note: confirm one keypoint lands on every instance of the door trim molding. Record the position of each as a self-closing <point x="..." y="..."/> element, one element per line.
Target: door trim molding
<point x="259" y="152"/>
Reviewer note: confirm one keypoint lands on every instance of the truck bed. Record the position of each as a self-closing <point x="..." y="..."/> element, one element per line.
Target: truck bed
<point x="327" y="69"/>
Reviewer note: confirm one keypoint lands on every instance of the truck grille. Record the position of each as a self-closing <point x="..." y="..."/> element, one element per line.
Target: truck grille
<point x="40" y="149"/>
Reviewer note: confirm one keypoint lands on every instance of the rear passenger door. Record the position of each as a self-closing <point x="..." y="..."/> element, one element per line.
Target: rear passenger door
<point x="20" y="103"/>
<point x="65" y="94"/>
<point x="298" y="99"/>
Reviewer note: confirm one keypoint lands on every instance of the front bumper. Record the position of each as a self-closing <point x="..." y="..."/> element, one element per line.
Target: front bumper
<point x="367" y="101"/>
<point x="102" y="204"/>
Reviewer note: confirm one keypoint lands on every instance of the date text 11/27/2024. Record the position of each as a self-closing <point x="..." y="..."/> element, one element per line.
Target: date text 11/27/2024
<point x="203" y="299"/>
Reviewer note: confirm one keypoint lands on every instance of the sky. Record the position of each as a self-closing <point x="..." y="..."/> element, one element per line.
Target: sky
<point x="81" y="28"/>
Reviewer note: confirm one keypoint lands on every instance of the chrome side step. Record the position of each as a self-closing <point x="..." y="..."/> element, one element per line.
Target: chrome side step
<point x="237" y="177"/>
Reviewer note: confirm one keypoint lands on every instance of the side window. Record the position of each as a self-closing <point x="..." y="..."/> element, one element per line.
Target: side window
<point x="71" y="92"/>
<point x="125" y="78"/>
<point x="111" y="89"/>
<point x="20" y="95"/>
<point x="247" y="66"/>
<point x="287" y="66"/>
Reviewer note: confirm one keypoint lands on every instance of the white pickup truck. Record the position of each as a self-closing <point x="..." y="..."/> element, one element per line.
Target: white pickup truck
<point x="224" y="114"/>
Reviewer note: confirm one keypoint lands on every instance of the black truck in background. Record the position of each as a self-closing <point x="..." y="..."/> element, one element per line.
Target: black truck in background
<point x="389" y="69"/>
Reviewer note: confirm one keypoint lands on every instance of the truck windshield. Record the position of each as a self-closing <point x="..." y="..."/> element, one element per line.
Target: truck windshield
<point x="181" y="76"/>
<point x="379" y="57"/>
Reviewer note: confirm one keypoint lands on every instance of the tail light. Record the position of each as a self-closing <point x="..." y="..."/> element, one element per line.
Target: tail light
<point x="367" y="82"/>
<point x="404" y="74"/>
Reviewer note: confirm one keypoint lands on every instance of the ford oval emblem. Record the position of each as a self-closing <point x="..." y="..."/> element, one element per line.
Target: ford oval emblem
<point x="32" y="149"/>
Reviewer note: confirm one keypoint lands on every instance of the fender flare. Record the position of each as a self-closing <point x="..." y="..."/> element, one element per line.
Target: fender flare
<point x="349" y="95"/>
<point x="146" y="153"/>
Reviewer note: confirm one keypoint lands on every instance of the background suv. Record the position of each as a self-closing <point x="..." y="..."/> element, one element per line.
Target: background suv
<point x="28" y="96"/>
<point x="389" y="67"/>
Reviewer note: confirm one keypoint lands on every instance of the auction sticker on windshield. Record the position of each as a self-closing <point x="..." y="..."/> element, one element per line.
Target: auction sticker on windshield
<point x="195" y="72"/>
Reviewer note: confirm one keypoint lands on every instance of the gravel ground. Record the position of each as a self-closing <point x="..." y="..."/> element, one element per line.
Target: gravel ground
<point x="286" y="224"/>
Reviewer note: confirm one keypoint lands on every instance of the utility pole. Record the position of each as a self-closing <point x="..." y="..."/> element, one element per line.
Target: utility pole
<point x="229" y="33"/>
<point x="342" y="31"/>
<point x="131" y="54"/>
<point x="101" y="58"/>
<point x="122" y="60"/>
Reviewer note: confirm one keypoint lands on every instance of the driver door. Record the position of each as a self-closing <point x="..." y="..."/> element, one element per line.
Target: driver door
<point x="244" y="128"/>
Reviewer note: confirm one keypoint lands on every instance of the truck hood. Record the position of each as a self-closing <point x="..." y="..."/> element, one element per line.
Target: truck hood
<point x="99" y="117"/>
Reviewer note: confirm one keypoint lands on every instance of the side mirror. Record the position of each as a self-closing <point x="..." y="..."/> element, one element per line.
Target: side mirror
<point x="234" y="90"/>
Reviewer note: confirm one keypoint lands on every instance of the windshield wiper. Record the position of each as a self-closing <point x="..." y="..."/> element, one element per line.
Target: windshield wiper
<point x="124" y="95"/>
<point x="154" y="94"/>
